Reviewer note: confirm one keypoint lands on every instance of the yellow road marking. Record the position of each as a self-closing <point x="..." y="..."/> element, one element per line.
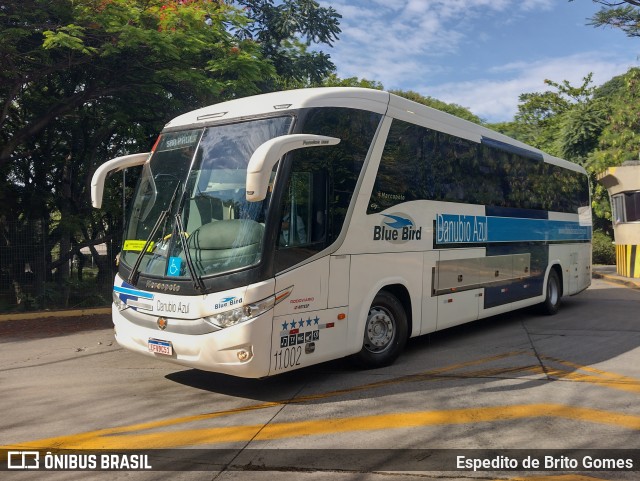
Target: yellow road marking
<point x="117" y="439"/>
<point x="596" y="376"/>
<point x="129" y="437"/>
<point x="420" y="377"/>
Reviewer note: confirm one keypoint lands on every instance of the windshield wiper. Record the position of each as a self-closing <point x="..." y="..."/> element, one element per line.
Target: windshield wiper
<point x="135" y="270"/>
<point x="197" y="280"/>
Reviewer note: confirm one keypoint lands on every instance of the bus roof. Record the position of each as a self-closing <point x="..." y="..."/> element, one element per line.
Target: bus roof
<point x="360" y="98"/>
<point x="352" y="97"/>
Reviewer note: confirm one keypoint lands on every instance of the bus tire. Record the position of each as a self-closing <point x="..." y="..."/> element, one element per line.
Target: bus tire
<point x="385" y="332"/>
<point x="553" y="297"/>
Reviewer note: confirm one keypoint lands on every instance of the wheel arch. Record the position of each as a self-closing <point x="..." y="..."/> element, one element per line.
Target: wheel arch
<point x="557" y="267"/>
<point x="395" y="286"/>
<point x="400" y="292"/>
<point x="386" y="329"/>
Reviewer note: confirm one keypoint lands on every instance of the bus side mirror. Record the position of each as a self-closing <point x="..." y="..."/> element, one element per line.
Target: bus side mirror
<point x="265" y="157"/>
<point x="113" y="165"/>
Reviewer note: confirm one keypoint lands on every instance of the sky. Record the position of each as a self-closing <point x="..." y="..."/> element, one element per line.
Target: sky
<point x="481" y="54"/>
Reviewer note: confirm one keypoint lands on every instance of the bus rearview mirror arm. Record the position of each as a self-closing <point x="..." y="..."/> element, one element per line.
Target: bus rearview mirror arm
<point x="265" y="157"/>
<point x="113" y="165"/>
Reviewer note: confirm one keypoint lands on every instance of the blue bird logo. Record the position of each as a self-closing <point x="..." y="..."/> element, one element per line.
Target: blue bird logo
<point x="397" y="222"/>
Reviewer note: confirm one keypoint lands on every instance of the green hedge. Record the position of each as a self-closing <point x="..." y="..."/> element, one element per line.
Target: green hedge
<point x="604" y="252"/>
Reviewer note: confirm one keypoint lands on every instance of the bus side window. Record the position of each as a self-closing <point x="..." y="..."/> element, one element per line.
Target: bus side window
<point x="302" y="230"/>
<point x="304" y="211"/>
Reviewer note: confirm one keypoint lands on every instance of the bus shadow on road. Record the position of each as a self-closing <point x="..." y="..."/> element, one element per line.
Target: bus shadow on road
<point x="519" y="350"/>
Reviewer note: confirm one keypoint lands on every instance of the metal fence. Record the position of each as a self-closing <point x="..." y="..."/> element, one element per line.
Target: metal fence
<point x="37" y="273"/>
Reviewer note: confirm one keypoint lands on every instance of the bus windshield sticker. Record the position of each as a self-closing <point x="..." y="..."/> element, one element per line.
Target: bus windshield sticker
<point x="136" y="245"/>
<point x="174" y="267"/>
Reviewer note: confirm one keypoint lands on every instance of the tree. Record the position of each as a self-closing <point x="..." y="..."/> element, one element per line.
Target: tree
<point x="284" y="30"/>
<point x="102" y="50"/>
<point x="580" y="129"/>
<point x="334" y="81"/>
<point x="618" y="15"/>
<point x="546" y="119"/>
<point x="619" y="140"/>
<point x="82" y="81"/>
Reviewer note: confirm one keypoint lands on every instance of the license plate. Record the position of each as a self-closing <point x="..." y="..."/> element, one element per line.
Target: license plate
<point x="160" y="347"/>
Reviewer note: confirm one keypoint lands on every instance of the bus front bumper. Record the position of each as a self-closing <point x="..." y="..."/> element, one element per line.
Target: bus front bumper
<point x="242" y="350"/>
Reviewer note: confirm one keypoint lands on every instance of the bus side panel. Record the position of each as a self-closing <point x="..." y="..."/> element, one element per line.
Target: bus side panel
<point x="310" y="288"/>
<point x="575" y="260"/>
<point x="305" y="332"/>
<point x="429" y="300"/>
<point x="519" y="288"/>
<point x="370" y="273"/>
<point x="307" y="338"/>
<point x="457" y="307"/>
<point x="584" y="266"/>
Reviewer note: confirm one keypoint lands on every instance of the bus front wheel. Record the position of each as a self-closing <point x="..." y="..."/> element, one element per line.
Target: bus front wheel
<point x="385" y="332"/>
<point x="551" y="303"/>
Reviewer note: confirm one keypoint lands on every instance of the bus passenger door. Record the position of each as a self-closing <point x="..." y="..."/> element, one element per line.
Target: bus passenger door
<point x="307" y="329"/>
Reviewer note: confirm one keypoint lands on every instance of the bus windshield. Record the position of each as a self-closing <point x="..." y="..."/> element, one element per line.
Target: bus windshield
<point x="190" y="208"/>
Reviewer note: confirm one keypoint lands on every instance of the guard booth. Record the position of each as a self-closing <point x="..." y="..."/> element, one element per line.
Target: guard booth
<point x="623" y="185"/>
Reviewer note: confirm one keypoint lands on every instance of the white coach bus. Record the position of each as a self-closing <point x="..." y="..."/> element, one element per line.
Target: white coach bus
<point x="279" y="231"/>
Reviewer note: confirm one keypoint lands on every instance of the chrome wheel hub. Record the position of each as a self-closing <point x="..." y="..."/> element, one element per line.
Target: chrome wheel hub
<point x="379" y="331"/>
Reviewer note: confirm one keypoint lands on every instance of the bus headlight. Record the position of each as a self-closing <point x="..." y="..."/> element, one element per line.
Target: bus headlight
<point x="241" y="314"/>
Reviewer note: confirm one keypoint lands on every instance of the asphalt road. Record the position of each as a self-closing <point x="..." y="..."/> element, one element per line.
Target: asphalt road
<point x="520" y="381"/>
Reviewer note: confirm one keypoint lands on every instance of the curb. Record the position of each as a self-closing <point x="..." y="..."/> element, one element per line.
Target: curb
<point x="617" y="280"/>
<point x="64" y="313"/>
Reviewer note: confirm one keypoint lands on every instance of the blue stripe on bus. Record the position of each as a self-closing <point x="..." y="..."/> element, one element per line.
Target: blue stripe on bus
<point x="471" y="229"/>
<point x="132" y="292"/>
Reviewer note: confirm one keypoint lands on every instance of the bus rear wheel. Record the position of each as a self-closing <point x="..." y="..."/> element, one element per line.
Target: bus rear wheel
<point x="385" y="332"/>
<point x="551" y="303"/>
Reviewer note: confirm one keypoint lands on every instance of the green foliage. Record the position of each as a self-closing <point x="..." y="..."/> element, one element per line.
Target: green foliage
<point x="514" y="129"/>
<point x="546" y="119"/>
<point x="83" y="81"/>
<point x="604" y="251"/>
<point x="334" y="81"/>
<point x="613" y="131"/>
<point x="580" y="129"/>
<point x="283" y="30"/>
<point x="620" y="139"/>
<point x="614" y="14"/>
<point x="70" y="37"/>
